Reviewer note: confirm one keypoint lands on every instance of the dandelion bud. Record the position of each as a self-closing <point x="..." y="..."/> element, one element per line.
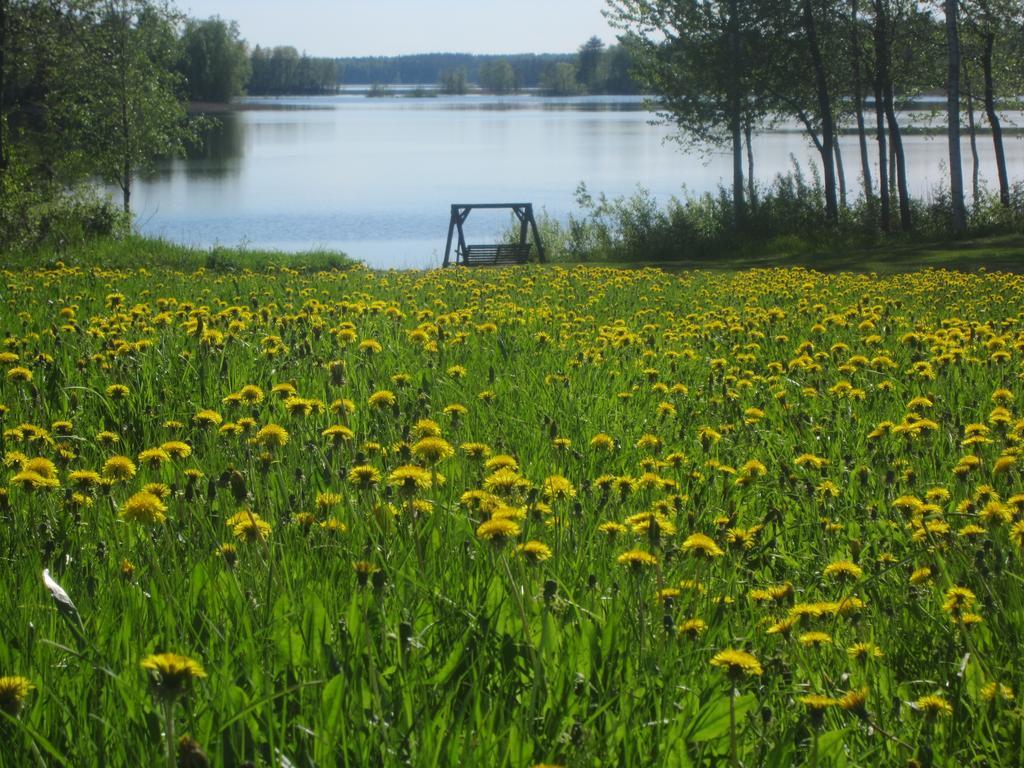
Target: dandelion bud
<point x="190" y="754"/>
<point x="550" y="590"/>
<point x="238" y="486"/>
<point x="405" y="635"/>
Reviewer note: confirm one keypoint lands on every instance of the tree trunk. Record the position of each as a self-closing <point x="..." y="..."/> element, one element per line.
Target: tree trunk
<point x="883" y="158"/>
<point x="825" y="114"/>
<point x="956" y="171"/>
<point x="972" y="128"/>
<point x="858" y="105"/>
<point x="892" y="172"/>
<point x="993" y="120"/>
<point x="3" y="86"/>
<point x="840" y="175"/>
<point x="751" y="192"/>
<point x="896" y="140"/>
<point x="883" y="87"/>
<point x="735" y="121"/>
<point x="126" y="135"/>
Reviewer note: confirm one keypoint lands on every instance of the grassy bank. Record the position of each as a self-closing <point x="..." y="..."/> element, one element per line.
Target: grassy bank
<point x="1003" y="253"/>
<point x="137" y="251"/>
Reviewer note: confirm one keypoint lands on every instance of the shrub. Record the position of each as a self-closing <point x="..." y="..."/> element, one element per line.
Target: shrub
<point x="34" y="216"/>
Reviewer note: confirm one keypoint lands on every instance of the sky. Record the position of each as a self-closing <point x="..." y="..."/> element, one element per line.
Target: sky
<point x="390" y="27"/>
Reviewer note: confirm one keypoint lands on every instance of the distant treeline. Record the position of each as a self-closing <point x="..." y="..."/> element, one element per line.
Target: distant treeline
<point x="216" y="64"/>
<point x="284" y="70"/>
<point x="594" y="68"/>
<point x="430" y="68"/>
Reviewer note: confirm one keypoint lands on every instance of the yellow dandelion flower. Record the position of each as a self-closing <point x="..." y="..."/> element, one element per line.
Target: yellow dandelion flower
<point x="143" y="507"/>
<point x="737" y="663"/>
<point x="207" y="418"/>
<point x="701" y="545"/>
<point x="556" y="487"/>
<point x="933" y="706"/>
<point x="996" y="691"/>
<point x="636" y="559"/>
<point x="814" y="639"/>
<point x="154" y="457"/>
<point x="691" y="628"/>
<point x="843" y="570"/>
<point x="534" y="551"/>
<point x="863" y="652"/>
<point x="251" y="528"/>
<point x="119" y="468"/>
<point x="272" y="436"/>
<point x="172" y="673"/>
<point x="501" y="461"/>
<point x="14" y="691"/>
<point x="497" y="530"/>
<point x="382" y="399"/>
<point x="431" y="450"/>
<point x="409" y="479"/>
<point x="177" y="449"/>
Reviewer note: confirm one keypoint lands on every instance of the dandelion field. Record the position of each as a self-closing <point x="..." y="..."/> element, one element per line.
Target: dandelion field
<point x="577" y="517"/>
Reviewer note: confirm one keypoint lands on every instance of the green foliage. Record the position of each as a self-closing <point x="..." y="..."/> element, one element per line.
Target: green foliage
<point x="589" y="61"/>
<point x="213" y="61"/>
<point x="37" y="217"/>
<point x="497" y="76"/>
<point x="560" y="80"/>
<point x="282" y="70"/>
<point x="453" y="82"/>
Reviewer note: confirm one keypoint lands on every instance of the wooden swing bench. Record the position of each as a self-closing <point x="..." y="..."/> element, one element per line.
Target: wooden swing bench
<point x="497" y="254"/>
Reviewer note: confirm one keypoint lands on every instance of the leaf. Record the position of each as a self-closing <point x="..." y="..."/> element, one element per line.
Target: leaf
<point x="712" y="721"/>
<point x="450" y="665"/>
<point x="830" y="744"/>
<point x="781" y="755"/>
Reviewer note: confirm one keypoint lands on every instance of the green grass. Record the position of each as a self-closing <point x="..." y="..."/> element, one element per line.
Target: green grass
<point x="796" y="419"/>
<point x="136" y="251"/>
<point x="996" y="253"/>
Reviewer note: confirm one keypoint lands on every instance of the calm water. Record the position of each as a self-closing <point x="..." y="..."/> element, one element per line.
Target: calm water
<point x="376" y="177"/>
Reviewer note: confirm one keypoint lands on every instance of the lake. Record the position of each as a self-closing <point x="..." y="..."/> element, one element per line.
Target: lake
<point x="375" y="177"/>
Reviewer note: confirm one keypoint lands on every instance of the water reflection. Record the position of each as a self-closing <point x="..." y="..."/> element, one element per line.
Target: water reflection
<point x="220" y="152"/>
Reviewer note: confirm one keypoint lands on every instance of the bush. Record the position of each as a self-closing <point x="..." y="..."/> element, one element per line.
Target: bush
<point x="34" y="217"/>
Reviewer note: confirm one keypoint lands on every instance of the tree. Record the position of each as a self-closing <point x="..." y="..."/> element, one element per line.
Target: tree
<point x="453" y="82"/>
<point x="590" y="58"/>
<point x="214" y="61"/>
<point x="857" y="57"/>
<point x="121" y="100"/>
<point x="619" y="70"/>
<point x="3" y="86"/>
<point x="497" y="76"/>
<point x="991" y="23"/>
<point x="697" y="57"/>
<point x="560" y="80"/>
<point x="956" y="173"/>
<point x="885" y="105"/>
